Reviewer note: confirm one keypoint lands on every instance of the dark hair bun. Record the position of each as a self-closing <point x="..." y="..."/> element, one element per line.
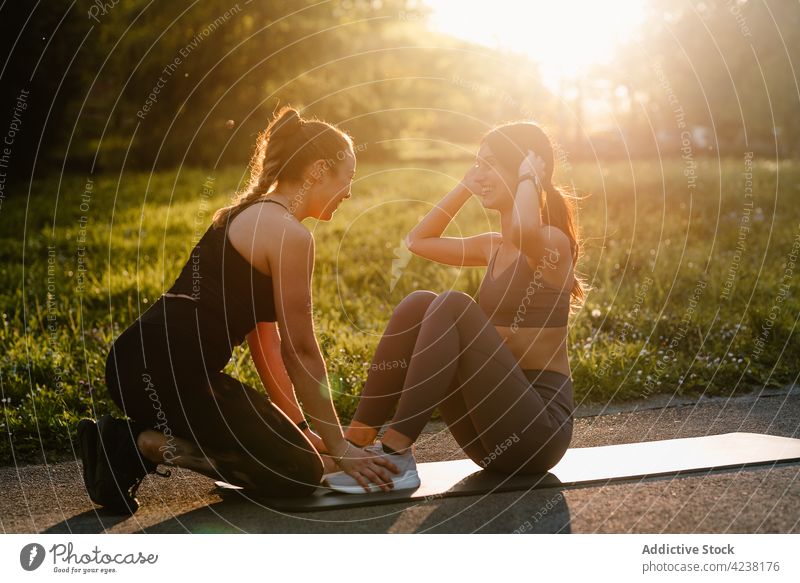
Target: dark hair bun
<point x="286" y="120"/>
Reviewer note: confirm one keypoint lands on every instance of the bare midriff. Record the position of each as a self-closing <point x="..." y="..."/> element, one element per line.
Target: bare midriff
<point x="538" y="348"/>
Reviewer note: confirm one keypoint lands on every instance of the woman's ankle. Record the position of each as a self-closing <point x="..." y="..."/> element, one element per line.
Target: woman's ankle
<point x="397" y="442"/>
<point x="360" y="435"/>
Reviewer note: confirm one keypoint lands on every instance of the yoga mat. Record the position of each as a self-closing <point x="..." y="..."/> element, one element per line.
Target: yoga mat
<point x="579" y="466"/>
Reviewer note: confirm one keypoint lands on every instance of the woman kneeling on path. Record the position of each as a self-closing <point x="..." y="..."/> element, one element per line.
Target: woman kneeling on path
<point x="249" y="277"/>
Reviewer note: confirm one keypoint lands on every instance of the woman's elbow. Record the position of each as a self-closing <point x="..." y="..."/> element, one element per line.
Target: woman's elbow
<point x="413" y="244"/>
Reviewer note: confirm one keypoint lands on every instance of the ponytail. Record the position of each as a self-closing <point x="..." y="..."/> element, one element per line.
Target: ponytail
<point x="558" y="210"/>
<point x="282" y="152"/>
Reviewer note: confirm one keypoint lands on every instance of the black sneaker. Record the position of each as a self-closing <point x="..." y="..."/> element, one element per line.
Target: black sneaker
<point x="113" y="468"/>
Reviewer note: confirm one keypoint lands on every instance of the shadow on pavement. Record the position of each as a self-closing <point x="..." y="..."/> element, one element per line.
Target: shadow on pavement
<point x="93" y="521"/>
<point x="238" y="515"/>
<point x="535" y="511"/>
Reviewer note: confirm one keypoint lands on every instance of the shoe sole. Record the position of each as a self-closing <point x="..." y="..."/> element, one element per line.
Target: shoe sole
<point x="407" y="481"/>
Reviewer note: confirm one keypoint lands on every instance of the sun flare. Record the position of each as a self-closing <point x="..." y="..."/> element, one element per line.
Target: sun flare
<point x="565" y="37"/>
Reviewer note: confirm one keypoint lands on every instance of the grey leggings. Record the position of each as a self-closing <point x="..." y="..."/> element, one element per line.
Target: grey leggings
<point x="442" y="350"/>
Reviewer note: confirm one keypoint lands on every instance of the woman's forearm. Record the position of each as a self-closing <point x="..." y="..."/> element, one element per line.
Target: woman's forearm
<point x="281" y="392"/>
<point x="264" y="345"/>
<point x="310" y="379"/>
<point x="435" y="222"/>
<point x="526" y="218"/>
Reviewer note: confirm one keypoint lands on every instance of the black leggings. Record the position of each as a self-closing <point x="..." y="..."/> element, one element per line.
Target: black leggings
<point x="443" y="351"/>
<point x="164" y="377"/>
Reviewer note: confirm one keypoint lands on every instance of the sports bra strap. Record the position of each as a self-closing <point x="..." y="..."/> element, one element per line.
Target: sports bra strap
<point x="256" y="201"/>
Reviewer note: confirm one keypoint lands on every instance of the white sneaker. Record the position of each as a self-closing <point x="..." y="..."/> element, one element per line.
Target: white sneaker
<point x="406" y="479"/>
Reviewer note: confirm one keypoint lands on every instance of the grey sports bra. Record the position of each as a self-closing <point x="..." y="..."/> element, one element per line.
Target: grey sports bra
<point x="520" y="297"/>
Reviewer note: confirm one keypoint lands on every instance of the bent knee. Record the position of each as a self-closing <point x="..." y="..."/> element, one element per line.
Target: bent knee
<point x="415" y="302"/>
<point x="453" y="299"/>
<point x="308" y="475"/>
<point x="307" y="467"/>
<point x="420" y="296"/>
<point x="301" y="477"/>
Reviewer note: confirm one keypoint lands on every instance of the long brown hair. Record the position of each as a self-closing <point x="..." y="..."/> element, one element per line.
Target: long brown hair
<point x="510" y="144"/>
<point x="283" y="151"/>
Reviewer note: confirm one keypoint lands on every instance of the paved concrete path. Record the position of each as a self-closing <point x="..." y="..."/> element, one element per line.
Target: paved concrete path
<point x="765" y="499"/>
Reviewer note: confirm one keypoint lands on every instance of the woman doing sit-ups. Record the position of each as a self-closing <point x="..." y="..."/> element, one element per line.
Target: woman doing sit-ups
<point x="497" y="369"/>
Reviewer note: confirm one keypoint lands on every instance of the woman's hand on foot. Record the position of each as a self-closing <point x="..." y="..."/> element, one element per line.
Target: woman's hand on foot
<point x="364" y="468"/>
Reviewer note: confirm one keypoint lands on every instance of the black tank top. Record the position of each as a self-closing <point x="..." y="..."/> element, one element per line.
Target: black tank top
<point x="229" y="295"/>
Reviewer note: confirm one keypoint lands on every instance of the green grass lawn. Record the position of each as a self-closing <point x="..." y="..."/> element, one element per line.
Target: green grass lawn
<point x="683" y="301"/>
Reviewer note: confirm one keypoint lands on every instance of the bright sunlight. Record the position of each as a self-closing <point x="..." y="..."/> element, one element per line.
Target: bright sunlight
<point x="566" y="36"/>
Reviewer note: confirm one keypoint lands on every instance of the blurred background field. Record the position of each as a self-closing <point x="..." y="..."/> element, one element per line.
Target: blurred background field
<point x="675" y="124"/>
